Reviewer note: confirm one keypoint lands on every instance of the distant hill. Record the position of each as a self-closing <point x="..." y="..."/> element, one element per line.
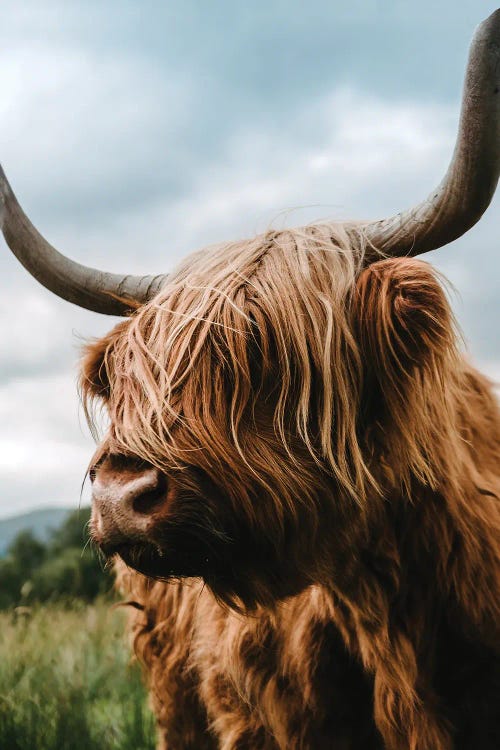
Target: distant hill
<point x="40" y="522"/>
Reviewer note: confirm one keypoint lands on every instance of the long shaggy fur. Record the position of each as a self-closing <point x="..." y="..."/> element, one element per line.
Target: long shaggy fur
<point x="334" y="506"/>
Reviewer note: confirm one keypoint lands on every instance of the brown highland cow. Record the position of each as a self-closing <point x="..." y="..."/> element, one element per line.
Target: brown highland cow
<point x="301" y="474"/>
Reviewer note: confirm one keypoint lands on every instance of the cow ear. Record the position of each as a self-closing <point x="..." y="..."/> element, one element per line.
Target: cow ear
<point x="404" y="322"/>
<point x="94" y="379"/>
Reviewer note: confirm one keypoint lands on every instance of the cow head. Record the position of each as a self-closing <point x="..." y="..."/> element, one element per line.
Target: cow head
<point x="249" y="413"/>
<point x="266" y="393"/>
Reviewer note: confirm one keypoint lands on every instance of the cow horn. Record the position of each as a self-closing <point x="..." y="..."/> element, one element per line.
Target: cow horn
<point x="109" y="293"/>
<point x="470" y="182"/>
<point x="448" y="212"/>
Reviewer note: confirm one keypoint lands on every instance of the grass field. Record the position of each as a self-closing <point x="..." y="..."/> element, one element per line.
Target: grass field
<point x="67" y="682"/>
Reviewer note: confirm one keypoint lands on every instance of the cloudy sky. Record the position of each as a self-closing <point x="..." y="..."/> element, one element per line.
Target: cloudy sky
<point x="134" y="132"/>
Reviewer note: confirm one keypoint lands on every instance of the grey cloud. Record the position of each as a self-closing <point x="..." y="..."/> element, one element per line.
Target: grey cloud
<point x="40" y="335"/>
<point x="25" y="490"/>
<point x="44" y="445"/>
<point x="118" y="114"/>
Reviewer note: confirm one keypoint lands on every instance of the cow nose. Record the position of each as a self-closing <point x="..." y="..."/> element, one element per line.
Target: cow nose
<point x="125" y="502"/>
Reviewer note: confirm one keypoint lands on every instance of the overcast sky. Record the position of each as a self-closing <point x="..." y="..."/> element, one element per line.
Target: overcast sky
<point x="134" y="132"/>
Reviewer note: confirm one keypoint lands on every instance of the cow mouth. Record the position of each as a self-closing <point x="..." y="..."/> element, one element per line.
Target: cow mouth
<point x="154" y="561"/>
<point x="145" y="558"/>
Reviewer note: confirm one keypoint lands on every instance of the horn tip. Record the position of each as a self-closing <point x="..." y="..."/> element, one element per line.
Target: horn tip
<point x="4" y="183"/>
<point x="4" y="187"/>
<point x="490" y="27"/>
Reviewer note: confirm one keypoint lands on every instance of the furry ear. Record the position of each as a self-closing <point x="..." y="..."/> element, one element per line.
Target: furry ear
<point x="407" y="341"/>
<point x="94" y="381"/>
<point x="403" y="319"/>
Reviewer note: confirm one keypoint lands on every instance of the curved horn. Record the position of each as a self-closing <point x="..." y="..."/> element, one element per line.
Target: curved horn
<point x="109" y="293"/>
<point x="469" y="184"/>
<point x="449" y="211"/>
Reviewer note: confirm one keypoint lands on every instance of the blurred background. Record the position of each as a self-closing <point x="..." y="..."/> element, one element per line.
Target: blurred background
<point x="133" y="132"/>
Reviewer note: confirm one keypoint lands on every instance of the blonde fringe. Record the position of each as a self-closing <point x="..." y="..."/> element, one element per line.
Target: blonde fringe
<point x="184" y="368"/>
<point x="183" y="359"/>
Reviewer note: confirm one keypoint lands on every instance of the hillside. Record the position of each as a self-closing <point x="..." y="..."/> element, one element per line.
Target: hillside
<point x="40" y="522"/>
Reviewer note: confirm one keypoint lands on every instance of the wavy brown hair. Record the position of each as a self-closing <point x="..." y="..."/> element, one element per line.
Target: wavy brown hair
<point x="320" y="427"/>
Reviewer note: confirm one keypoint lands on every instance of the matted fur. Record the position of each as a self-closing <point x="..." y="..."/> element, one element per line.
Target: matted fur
<point x="336" y="461"/>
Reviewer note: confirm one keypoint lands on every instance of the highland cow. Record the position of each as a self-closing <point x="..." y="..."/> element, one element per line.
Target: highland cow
<point x="301" y="474"/>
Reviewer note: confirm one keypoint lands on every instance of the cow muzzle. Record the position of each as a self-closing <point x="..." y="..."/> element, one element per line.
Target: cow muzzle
<point x="129" y="499"/>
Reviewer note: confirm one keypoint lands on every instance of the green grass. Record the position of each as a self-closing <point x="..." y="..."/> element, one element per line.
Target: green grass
<point x="67" y="682"/>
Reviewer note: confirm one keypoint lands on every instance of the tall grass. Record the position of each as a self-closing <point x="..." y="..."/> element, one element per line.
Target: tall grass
<point x="67" y="682"/>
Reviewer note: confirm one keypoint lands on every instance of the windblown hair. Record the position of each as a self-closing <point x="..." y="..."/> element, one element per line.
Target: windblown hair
<point x="277" y="318"/>
<point x="234" y="322"/>
<point x="329" y="444"/>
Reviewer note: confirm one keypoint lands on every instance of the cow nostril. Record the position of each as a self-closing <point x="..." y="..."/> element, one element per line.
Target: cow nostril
<point x="147" y="501"/>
